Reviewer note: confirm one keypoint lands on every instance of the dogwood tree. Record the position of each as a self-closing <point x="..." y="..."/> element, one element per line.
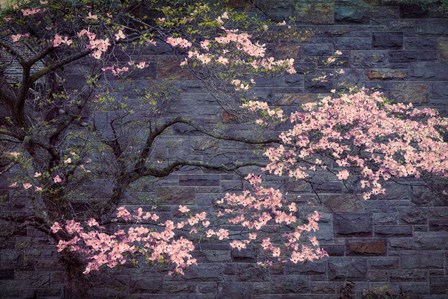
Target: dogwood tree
<point x="51" y="144"/>
<point x="50" y="141"/>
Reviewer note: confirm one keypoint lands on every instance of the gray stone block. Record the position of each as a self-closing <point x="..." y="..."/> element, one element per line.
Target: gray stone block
<point x="354" y="43"/>
<point x="388" y="230"/>
<point x="235" y="290"/>
<point x="347" y="269"/>
<point x="317" y="50"/>
<point x="420" y="43"/>
<point x="408" y="275"/>
<point x="350" y="14"/>
<point x="387" y="40"/>
<point x="205" y="272"/>
<point x="251" y="272"/>
<point x="369" y="58"/>
<point x="429" y="71"/>
<point x="383" y="263"/>
<point x="421" y="259"/>
<point x="438" y="285"/>
<point x="423" y="242"/>
<point x="199" y="180"/>
<point x="145" y="284"/>
<point x="287" y="284"/>
<point x="348" y="224"/>
<point x="317" y="270"/>
<point x="410" y="56"/>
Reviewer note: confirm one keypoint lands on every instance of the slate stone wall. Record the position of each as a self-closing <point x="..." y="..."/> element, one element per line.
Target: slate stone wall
<point x="395" y="244"/>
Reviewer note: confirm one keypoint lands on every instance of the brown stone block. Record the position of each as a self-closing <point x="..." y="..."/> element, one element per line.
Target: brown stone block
<point x="342" y="203"/>
<point x="442" y="47"/>
<point x="228" y="117"/>
<point x="168" y="67"/>
<point x="175" y="195"/>
<point x="370" y="247"/>
<point x="438" y="225"/>
<point x="386" y="74"/>
<point x="297" y="99"/>
<point x="286" y="51"/>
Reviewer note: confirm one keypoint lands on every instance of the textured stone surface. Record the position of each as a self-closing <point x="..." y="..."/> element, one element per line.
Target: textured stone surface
<point x="175" y="195"/>
<point x="199" y="180"/>
<point x="399" y="239"/>
<point x="315" y="12"/>
<point x="387" y="40"/>
<point x="389" y="230"/>
<point x="386" y="74"/>
<point x="422" y="260"/>
<point x="342" y="203"/>
<point x="442" y="47"/>
<point x="369" y="58"/>
<point x="371" y="247"/>
<point x="351" y="14"/>
<point x="347" y="269"/>
<point x="429" y="71"/>
<point x="354" y="43"/>
<point x="409" y="92"/>
<point x="347" y="224"/>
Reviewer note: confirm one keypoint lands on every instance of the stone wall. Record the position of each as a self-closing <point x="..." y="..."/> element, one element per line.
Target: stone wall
<point x="397" y="243"/>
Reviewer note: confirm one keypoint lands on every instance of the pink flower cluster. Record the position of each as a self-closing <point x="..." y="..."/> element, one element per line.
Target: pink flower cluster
<point x="178" y="42"/>
<point x="242" y="42"/>
<point x="266" y="207"/>
<point x="58" y="40"/>
<point x="364" y="134"/>
<point x="120" y="35"/>
<point x="99" y="46"/>
<point x="102" y="249"/>
<point x="263" y="106"/>
<point x="32" y="11"/>
<point x="16" y="37"/>
<point x="157" y="241"/>
<point x="232" y="49"/>
<point x="116" y="70"/>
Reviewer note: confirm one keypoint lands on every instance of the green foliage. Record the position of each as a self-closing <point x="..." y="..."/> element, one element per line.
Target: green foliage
<point x="384" y="292"/>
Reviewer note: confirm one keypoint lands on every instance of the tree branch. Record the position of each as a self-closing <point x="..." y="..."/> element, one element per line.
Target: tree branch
<point x="39" y="56"/>
<point x="39" y="74"/>
<point x="147" y="171"/>
<point x="153" y="135"/>
<point x="13" y="52"/>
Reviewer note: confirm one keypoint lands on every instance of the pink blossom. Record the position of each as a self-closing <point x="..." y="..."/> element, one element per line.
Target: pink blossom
<point x="32" y="11"/>
<point x="27" y="186"/>
<point x="343" y="174"/>
<point x="58" y="40"/>
<point x="183" y="209"/>
<point x="55" y="227"/>
<point x="178" y="41"/>
<point x="120" y="35"/>
<point x="92" y="223"/>
<point x="16" y="37"/>
<point x="57" y="179"/>
<point x="91" y="17"/>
